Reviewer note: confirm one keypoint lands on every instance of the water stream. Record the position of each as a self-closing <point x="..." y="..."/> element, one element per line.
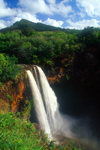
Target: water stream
<point x="47" y="107"/>
<point x="51" y="120"/>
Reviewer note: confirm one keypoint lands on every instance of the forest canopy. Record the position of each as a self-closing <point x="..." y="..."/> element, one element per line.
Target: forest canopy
<point x="37" y="47"/>
<point x="40" y="44"/>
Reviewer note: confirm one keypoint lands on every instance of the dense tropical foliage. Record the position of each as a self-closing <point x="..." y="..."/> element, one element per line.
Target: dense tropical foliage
<point x="19" y="134"/>
<point x="31" y="46"/>
<point x="8" y="68"/>
<point x="39" y="47"/>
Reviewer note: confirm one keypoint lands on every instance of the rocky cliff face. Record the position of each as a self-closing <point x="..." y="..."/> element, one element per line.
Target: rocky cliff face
<point x="13" y="95"/>
<point x="17" y="95"/>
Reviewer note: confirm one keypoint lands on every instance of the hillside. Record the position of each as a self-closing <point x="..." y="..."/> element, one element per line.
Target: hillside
<point x="28" y="25"/>
<point x="25" y="25"/>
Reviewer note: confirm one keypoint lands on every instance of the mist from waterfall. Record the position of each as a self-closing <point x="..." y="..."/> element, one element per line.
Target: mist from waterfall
<point x="56" y="125"/>
<point x="46" y="106"/>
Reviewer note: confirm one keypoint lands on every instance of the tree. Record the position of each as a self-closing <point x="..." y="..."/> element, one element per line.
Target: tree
<point x="8" y="68"/>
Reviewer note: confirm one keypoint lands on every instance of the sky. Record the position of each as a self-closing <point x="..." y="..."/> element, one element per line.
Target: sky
<point x="73" y="14"/>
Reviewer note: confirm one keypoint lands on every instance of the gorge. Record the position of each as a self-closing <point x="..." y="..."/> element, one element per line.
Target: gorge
<point x="55" y="124"/>
<point x="46" y="106"/>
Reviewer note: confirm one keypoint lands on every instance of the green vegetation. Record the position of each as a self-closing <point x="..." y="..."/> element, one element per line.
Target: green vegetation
<point x="26" y="109"/>
<point x="18" y="134"/>
<point x="40" y="47"/>
<point x="9" y="97"/>
<point x="29" y="49"/>
<point x="8" y="68"/>
<point x="39" y="44"/>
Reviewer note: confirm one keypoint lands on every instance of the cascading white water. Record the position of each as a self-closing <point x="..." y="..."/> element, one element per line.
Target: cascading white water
<point x="39" y="107"/>
<point x="46" y="105"/>
<point x="47" y="108"/>
<point x="49" y="98"/>
<point x="58" y="124"/>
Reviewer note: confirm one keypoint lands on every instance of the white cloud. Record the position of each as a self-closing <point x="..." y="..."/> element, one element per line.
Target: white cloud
<point x="28" y="9"/>
<point x="64" y="1"/>
<point x="25" y="15"/>
<point x="91" y="7"/>
<point x="2" y="24"/>
<point x="35" y="6"/>
<point x="83" y="23"/>
<point x="53" y="22"/>
<point x="5" y="11"/>
<point x="20" y="15"/>
<point x="81" y="14"/>
<point x="40" y="6"/>
<point x="51" y="1"/>
<point x="2" y="4"/>
<point x="62" y="9"/>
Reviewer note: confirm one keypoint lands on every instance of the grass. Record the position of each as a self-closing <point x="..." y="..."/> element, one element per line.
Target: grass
<point x="19" y="134"/>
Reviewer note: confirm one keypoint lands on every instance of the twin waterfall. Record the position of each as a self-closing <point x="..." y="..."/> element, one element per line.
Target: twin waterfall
<point x="46" y="106"/>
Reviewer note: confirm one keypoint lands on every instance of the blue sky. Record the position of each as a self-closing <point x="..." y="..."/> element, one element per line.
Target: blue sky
<point x="76" y="14"/>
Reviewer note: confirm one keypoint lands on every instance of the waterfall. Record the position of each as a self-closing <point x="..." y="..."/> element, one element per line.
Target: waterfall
<point x="46" y="106"/>
<point x="39" y="107"/>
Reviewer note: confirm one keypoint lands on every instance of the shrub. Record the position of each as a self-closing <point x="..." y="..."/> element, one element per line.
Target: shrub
<point x="19" y="134"/>
<point x="8" y="68"/>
